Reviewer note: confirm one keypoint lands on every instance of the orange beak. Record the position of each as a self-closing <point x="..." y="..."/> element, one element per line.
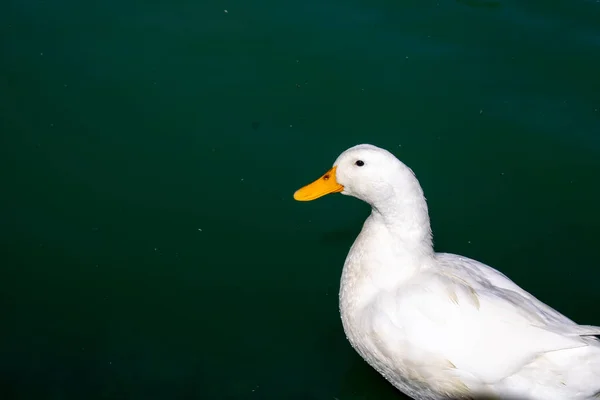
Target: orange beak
<point x="324" y="185"/>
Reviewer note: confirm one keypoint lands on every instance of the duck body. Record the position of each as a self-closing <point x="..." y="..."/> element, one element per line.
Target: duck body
<point x="439" y="325"/>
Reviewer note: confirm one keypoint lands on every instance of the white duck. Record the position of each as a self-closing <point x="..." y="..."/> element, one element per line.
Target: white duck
<point x="439" y="325"/>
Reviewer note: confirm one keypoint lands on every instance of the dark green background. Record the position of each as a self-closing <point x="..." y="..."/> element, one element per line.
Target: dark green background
<point x="151" y="248"/>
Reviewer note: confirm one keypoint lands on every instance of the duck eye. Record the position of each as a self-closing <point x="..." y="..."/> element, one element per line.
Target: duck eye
<point x="360" y="163"/>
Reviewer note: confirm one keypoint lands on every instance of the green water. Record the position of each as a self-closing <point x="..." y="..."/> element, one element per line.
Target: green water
<point x="150" y="245"/>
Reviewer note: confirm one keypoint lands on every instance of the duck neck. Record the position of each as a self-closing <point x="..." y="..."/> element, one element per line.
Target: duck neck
<point x="394" y="244"/>
<point x="405" y="217"/>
